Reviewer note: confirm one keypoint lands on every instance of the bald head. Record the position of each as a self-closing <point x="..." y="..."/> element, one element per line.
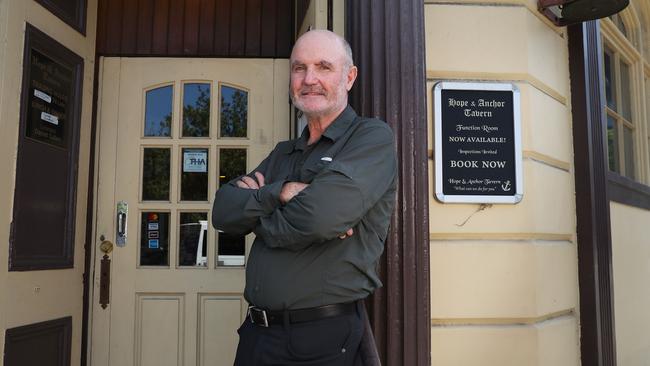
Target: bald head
<point x="322" y="73"/>
<point x="322" y="36"/>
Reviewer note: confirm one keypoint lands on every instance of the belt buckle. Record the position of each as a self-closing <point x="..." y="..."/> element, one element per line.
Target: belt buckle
<point x="258" y="316"/>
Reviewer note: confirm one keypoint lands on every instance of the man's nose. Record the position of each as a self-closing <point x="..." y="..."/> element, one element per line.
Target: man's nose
<point x="310" y="77"/>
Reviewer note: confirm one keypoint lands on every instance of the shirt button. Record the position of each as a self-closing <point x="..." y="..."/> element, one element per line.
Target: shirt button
<point x="257" y="288"/>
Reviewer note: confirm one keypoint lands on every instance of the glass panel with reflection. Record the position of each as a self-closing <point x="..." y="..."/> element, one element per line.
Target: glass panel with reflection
<point x="155" y="174"/>
<point x="626" y="98"/>
<point x="612" y="144"/>
<point x="154" y="239"/>
<point x="231" y="249"/>
<point x="628" y="140"/>
<point x="196" y="110"/>
<point x="194" y="176"/>
<point x="610" y="86"/>
<point x="193" y="229"/>
<point x="234" y="112"/>
<point x="158" y="112"/>
<point x="232" y="164"/>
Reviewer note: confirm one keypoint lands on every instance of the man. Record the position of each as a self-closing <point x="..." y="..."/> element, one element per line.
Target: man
<point x="320" y="207"/>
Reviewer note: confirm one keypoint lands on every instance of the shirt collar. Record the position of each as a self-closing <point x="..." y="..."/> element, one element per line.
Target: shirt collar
<point x="341" y="124"/>
<point x="333" y="132"/>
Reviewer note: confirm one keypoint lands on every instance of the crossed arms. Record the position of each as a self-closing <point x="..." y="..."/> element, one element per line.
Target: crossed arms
<point x="294" y="215"/>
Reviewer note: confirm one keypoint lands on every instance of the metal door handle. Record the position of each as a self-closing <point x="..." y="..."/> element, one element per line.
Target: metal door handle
<point x="121" y="224"/>
<point x="122" y="217"/>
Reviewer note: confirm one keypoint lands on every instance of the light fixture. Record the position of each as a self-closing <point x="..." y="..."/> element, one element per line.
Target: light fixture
<point x="565" y="12"/>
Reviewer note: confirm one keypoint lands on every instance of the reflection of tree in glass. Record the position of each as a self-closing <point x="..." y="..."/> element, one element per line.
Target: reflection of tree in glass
<point x="196" y="118"/>
<point x="165" y="126"/>
<point x="232" y="164"/>
<point x="160" y="128"/>
<point x="234" y="113"/>
<point x="158" y="111"/>
<point x="155" y="179"/>
<point x="611" y="142"/>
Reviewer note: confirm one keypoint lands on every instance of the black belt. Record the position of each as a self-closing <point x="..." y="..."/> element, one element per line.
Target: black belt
<point x="266" y="317"/>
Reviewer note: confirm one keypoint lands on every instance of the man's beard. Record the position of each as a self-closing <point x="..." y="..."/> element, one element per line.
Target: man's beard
<point x="341" y="101"/>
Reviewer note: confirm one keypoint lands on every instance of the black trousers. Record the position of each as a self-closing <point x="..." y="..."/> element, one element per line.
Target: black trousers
<point x="325" y="342"/>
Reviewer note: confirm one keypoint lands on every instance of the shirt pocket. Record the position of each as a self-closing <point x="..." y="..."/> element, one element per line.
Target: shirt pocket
<point x="308" y="173"/>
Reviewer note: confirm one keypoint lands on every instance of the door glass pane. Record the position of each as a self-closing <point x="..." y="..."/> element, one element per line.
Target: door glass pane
<point x="612" y="144"/>
<point x="610" y="87"/>
<point x="194" y="176"/>
<point x="155" y="174"/>
<point x="234" y="112"/>
<point x="626" y="101"/>
<point x="154" y="239"/>
<point x="196" y="110"/>
<point x="193" y="228"/>
<point x="158" y="112"/>
<point x="232" y="164"/>
<point x="628" y="140"/>
<point x="231" y="250"/>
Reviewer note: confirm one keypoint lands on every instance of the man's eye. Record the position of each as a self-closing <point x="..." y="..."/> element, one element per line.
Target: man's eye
<point x="298" y="68"/>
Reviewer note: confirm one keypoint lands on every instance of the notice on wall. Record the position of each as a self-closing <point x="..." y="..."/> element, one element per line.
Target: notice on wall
<point x="477" y="142"/>
<point x="50" y="84"/>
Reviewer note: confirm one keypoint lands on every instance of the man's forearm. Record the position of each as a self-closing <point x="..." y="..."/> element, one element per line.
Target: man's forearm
<point x="338" y="197"/>
<point x="236" y="211"/>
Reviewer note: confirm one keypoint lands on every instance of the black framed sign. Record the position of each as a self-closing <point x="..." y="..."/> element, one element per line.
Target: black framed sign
<point x="50" y="86"/>
<point x="42" y="230"/>
<point x="477" y="142"/>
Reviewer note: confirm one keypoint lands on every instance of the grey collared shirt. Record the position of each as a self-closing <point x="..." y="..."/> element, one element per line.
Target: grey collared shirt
<point x="297" y="259"/>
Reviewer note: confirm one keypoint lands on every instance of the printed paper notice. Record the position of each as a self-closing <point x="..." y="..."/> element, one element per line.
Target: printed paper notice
<point x="50" y="118"/>
<point x="42" y="95"/>
<point x="195" y="161"/>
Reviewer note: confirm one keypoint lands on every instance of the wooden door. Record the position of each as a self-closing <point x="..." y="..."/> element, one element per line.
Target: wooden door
<point x="169" y="132"/>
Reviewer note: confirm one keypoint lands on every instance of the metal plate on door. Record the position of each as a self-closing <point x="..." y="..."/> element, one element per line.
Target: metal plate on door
<point x="122" y="216"/>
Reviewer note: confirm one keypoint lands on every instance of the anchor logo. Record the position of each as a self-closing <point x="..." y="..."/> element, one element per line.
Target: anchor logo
<point x="506" y="186"/>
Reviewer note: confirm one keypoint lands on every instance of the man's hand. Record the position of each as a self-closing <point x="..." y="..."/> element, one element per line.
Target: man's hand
<point x="249" y="183"/>
<point x="290" y="190"/>
<point x="350" y="232"/>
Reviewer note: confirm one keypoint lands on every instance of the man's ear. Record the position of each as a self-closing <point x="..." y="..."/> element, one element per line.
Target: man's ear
<point x="351" y="77"/>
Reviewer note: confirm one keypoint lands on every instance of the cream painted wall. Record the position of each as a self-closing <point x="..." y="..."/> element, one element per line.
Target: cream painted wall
<point x="316" y="16"/>
<point x="504" y="279"/>
<point x="29" y="297"/>
<point x="631" y="272"/>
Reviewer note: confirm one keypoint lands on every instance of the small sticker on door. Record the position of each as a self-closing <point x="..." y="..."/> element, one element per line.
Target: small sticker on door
<point x="153" y="235"/>
<point x="153" y="244"/>
<point x="195" y="161"/>
<point x="153" y="226"/>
